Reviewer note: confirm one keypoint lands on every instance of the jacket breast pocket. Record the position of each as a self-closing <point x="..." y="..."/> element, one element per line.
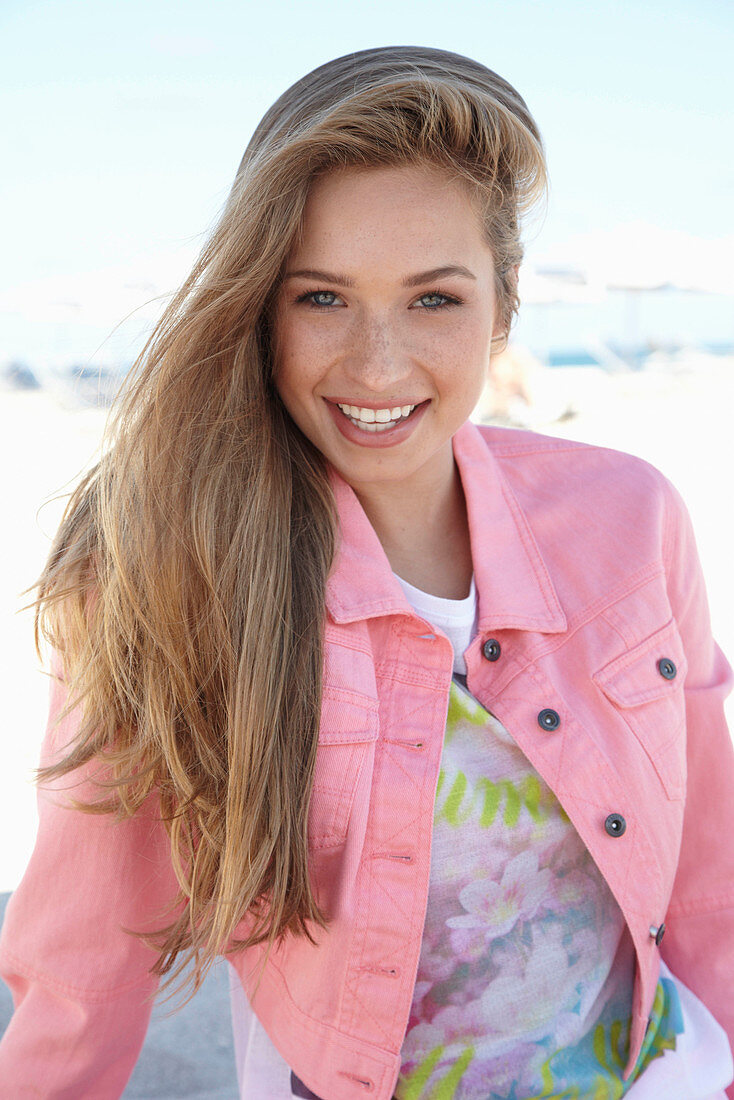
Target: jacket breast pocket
<point x="347" y="737"/>
<point x="645" y="686"/>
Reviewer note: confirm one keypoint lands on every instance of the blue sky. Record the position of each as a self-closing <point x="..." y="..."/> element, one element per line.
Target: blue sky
<point x="125" y="122"/>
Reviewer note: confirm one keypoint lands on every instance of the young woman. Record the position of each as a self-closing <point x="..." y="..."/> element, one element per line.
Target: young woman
<point x="418" y="724"/>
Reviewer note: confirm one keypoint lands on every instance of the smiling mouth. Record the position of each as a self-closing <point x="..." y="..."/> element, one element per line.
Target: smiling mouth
<point x="377" y="420"/>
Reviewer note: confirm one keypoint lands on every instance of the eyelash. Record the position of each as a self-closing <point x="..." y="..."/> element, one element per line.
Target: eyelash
<point x="449" y="300"/>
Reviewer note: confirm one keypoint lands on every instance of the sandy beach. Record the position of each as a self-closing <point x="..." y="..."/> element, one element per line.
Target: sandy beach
<point x="677" y="416"/>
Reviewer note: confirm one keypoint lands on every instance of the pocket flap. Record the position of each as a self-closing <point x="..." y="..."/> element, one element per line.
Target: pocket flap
<point x="635" y="678"/>
<point x="346" y="748"/>
<point x="347" y="717"/>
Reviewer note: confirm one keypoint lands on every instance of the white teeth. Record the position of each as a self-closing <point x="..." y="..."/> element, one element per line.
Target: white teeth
<point x="372" y="427"/>
<point x="383" y="417"/>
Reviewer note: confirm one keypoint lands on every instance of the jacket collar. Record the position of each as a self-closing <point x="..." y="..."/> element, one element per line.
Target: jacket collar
<point x="513" y="584"/>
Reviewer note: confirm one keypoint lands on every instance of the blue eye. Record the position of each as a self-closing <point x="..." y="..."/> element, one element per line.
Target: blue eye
<point x="432" y="302"/>
<point x="319" y="298"/>
<point x="435" y="300"/>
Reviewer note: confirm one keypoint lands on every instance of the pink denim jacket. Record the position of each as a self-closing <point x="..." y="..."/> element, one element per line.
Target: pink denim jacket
<point x="593" y="649"/>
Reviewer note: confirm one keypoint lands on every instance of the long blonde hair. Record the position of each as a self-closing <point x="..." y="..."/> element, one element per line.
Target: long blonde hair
<point x="185" y="588"/>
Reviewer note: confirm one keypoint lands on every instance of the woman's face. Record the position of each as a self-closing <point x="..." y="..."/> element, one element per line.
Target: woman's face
<point x="384" y="321"/>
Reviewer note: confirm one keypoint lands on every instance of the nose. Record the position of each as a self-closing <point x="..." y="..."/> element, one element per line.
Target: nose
<point x="376" y="358"/>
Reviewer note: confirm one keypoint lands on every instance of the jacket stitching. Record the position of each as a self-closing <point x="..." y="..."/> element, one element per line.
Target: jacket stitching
<point x="100" y="996"/>
<point x="589" y="614"/>
<point x="532" y="550"/>
<point x="413" y="943"/>
<point x="604" y="614"/>
<point x="702" y="906"/>
<point x="317" y="1027"/>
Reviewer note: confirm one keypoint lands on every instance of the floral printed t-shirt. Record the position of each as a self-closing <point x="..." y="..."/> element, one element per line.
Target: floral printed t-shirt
<point x="525" y="978"/>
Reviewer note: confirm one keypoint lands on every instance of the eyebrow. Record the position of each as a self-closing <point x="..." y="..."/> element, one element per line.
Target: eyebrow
<point x="409" y="280"/>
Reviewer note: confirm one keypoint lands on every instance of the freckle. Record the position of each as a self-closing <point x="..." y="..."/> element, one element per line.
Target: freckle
<point x="379" y="335"/>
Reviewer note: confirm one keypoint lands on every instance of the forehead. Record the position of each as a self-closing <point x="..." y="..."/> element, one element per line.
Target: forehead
<point x="416" y="211"/>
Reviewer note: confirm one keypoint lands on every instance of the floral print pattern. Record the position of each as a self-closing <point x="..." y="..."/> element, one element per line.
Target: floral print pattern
<point x="526" y="971"/>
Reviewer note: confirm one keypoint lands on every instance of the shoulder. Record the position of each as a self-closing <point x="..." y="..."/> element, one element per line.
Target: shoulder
<point x="517" y="448"/>
<point x="599" y="516"/>
<point x="573" y="474"/>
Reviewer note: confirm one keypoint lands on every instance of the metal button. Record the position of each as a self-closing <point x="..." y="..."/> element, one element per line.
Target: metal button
<point x="615" y="825"/>
<point x="666" y="668"/>
<point x="657" y="932"/>
<point x="549" y="719"/>
<point x="492" y="649"/>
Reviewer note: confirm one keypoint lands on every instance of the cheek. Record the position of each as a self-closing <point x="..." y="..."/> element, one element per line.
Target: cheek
<point x="466" y="350"/>
<point x="291" y="363"/>
<point x="301" y="352"/>
<point x="470" y="376"/>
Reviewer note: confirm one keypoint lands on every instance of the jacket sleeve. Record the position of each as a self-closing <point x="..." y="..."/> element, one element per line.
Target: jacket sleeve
<point x="699" y="941"/>
<point x="81" y="984"/>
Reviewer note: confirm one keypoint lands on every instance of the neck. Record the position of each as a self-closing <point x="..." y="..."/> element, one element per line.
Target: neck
<point x="424" y="532"/>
